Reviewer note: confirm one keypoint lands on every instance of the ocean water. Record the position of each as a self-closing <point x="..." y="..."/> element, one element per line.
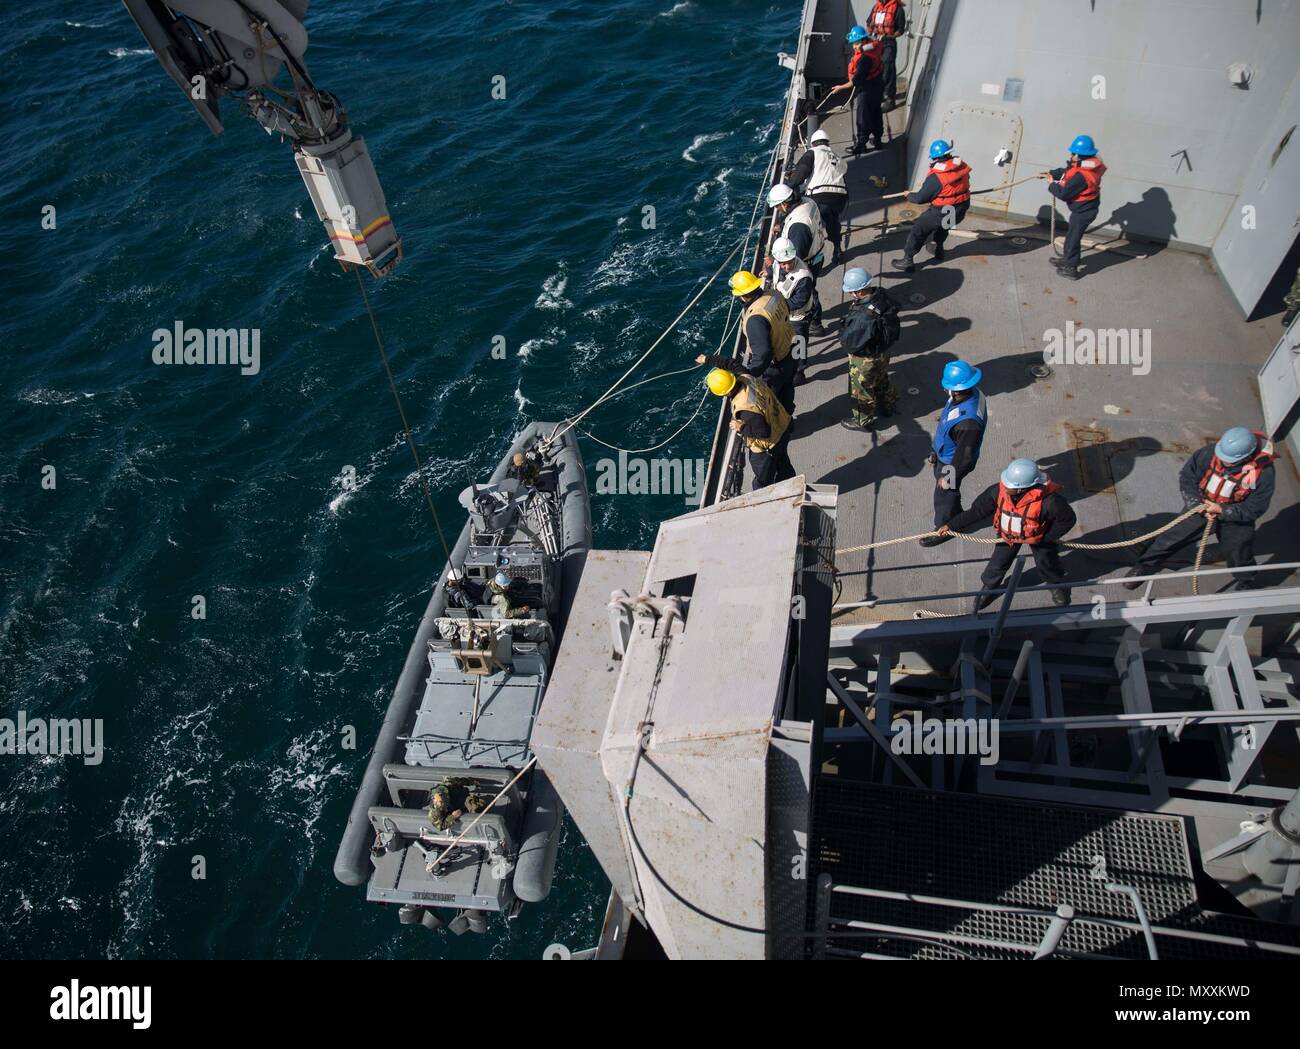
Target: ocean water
<point x="521" y="218"/>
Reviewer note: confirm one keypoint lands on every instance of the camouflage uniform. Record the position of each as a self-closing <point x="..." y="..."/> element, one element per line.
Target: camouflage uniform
<point x="1292" y="300"/>
<point x="871" y="393"/>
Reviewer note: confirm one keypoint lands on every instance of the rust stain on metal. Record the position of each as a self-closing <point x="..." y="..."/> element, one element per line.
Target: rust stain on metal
<point x="1089" y="444"/>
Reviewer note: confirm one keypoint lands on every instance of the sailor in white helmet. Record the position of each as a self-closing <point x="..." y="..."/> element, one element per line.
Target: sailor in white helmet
<point x="794" y="280"/>
<point x="820" y="173"/>
<point x="798" y="220"/>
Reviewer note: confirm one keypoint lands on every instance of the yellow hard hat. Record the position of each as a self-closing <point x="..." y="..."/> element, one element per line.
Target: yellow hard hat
<point x="721" y="382"/>
<point x="743" y="282"/>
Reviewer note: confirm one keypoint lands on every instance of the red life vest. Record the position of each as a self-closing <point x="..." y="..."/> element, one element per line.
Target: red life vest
<point x="870" y="50"/>
<point x="883" y="26"/>
<point x="1091" y="168"/>
<point x="1020" y="520"/>
<point x="954" y="182"/>
<point x="1233" y="484"/>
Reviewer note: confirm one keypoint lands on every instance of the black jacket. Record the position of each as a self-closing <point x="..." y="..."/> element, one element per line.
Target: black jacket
<point x="1248" y="511"/>
<point x="1057" y="513"/>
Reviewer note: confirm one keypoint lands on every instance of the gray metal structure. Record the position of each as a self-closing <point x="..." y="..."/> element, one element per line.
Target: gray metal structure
<point x="1140" y="800"/>
<point x="463" y="713"/>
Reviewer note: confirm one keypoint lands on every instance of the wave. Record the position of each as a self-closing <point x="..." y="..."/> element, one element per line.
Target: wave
<point x="123" y="52"/>
<point x="688" y="154"/>
<point x="552" y="296"/>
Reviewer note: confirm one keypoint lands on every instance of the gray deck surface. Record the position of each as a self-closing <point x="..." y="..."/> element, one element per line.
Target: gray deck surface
<point x="990" y="303"/>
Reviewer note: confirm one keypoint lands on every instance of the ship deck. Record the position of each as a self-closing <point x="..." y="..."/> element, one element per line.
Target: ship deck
<point x="1115" y="440"/>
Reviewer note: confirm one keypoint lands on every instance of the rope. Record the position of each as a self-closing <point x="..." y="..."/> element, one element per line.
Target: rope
<point x="433" y="864"/>
<point x="401" y="411"/>
<point x="838" y="109"/>
<point x="994" y="542"/>
<point x="1200" y="554"/>
<point x="973" y="193"/>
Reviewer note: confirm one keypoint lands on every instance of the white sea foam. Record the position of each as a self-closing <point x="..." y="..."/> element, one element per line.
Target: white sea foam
<point x="552" y="296"/>
<point x="688" y="153"/>
<point x="678" y="8"/>
<point x="123" y="52"/>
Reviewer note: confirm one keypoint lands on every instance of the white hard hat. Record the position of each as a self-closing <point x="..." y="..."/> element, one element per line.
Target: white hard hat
<point x="783" y="249"/>
<point x="779" y="194"/>
<point x="819" y="136"/>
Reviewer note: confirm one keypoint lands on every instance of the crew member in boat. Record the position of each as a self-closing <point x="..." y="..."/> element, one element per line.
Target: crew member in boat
<point x="957" y="439"/>
<point x="821" y="174"/>
<point x="1026" y="509"/>
<point x="947" y="190"/>
<point x="794" y="280"/>
<point x="502" y="605"/>
<point x="760" y="420"/>
<point x="524" y="468"/>
<point x="769" y="338"/>
<point x="1078" y="184"/>
<point x="1232" y="481"/>
<point x="457" y="590"/>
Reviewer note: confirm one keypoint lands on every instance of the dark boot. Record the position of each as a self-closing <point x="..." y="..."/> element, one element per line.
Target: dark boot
<point x="982" y="600"/>
<point x="849" y="424"/>
<point x="939" y="255"/>
<point x="935" y="540"/>
<point x="905" y="264"/>
<point x="1068" y="272"/>
<point x="1135" y="570"/>
<point x="1060" y="597"/>
<point x="1057" y="260"/>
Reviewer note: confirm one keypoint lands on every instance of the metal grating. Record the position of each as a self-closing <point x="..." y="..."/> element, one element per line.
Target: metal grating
<point x="999" y="851"/>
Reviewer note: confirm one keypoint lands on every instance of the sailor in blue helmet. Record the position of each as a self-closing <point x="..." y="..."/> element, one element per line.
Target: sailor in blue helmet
<point x="865" y="77"/>
<point x="947" y="190"/>
<point x="1026" y="509"/>
<point x="957" y="441"/>
<point x="501" y="604"/>
<point x="1233" y="483"/>
<point x="1078" y="184"/>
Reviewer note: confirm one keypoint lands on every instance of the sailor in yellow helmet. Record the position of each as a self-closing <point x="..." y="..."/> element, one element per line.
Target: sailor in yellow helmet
<point x="761" y="421"/>
<point x="770" y="352"/>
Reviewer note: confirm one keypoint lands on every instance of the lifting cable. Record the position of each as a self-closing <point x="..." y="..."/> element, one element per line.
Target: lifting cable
<point x="401" y="411"/>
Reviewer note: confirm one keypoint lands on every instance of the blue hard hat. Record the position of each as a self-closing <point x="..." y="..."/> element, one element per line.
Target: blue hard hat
<point x="940" y="147"/>
<point x="1022" y="473"/>
<point x="855" y="34"/>
<point x="1084" y="146"/>
<point x="961" y="376"/>
<point x="502" y="579"/>
<point x="856" y="279"/>
<point x="1235" y="445"/>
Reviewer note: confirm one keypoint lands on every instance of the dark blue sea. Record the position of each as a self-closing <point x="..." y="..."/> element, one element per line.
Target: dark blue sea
<point x="521" y="218"/>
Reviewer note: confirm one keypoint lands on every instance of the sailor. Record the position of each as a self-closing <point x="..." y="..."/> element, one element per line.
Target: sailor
<point x="524" y="468"/>
<point x="457" y="590"/>
<point x="1079" y="185"/>
<point x="887" y="22"/>
<point x="501" y="604"/>
<point x="868" y="330"/>
<point x="1025" y="508"/>
<point x="821" y="174"/>
<point x="1233" y="482"/>
<point x="769" y="338"/>
<point x="865" y="75"/>
<point x="947" y="190"/>
<point x="440" y="812"/>
<point x="957" y="441"/>
<point x="761" y="421"/>
<point x="794" y="280"/>
<point x="798" y="220"/>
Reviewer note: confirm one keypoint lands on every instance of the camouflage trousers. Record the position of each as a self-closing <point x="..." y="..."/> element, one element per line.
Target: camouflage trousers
<point x="1292" y="298"/>
<point x="871" y="394"/>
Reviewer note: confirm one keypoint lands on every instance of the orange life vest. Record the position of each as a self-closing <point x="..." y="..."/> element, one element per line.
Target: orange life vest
<point x="1091" y="169"/>
<point x="954" y="182"/>
<point x="1233" y="484"/>
<point x="1020" y="520"/>
<point x="870" y="50"/>
<point x="881" y="20"/>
